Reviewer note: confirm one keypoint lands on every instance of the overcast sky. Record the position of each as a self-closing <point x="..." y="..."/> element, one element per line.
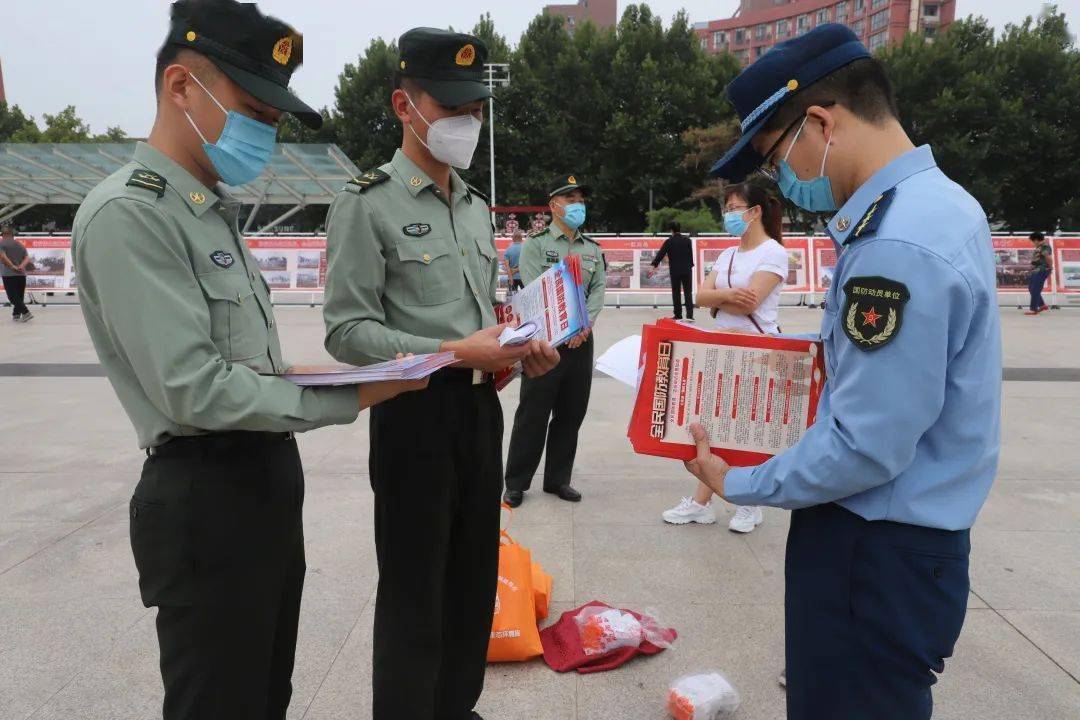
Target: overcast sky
<point x="99" y="56"/>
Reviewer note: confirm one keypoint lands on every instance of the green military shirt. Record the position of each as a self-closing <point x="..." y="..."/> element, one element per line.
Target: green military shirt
<point x="549" y="246"/>
<point x="179" y="313"/>
<point x="407" y="266"/>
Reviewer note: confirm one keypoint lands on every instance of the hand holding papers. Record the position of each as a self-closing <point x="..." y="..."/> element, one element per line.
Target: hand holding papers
<point x="413" y="367"/>
<point x="555" y="304"/>
<point x="754" y="395"/>
<point x="514" y="336"/>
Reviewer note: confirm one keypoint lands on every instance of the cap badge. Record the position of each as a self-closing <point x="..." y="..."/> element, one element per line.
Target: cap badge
<point x="571" y="180"/>
<point x="415" y="181"/>
<point x="191" y="36"/>
<point x="402" y="64"/>
<point x="283" y="50"/>
<point x="197" y="197"/>
<point x="466" y="56"/>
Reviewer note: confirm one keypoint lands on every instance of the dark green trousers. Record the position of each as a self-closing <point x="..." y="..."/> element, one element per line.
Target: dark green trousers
<point x="550" y="412"/>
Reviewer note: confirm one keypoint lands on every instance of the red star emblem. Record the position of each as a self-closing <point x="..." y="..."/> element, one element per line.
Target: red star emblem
<point x="871" y="317"/>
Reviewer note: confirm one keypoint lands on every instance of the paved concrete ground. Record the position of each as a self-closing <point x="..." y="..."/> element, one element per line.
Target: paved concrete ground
<point x="75" y="642"/>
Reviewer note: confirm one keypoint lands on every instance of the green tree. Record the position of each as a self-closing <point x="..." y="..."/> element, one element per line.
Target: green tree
<point x="113" y="134"/>
<point x="65" y="126"/>
<point x="291" y="130"/>
<point x="14" y="124"/>
<point x="1000" y="114"/>
<point x="364" y="123"/>
<point x="693" y="221"/>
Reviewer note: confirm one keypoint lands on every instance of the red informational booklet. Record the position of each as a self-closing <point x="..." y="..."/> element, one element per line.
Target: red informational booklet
<point x="755" y="395"/>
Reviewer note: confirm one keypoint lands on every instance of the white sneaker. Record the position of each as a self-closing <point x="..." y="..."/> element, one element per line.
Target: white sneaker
<point x="746" y="519"/>
<point x="688" y="511"/>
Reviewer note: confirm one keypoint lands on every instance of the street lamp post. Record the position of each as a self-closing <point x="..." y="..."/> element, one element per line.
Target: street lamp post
<point x="496" y="75"/>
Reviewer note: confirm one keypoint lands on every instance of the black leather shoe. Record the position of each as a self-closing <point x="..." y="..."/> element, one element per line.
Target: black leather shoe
<point x="513" y="498"/>
<point x="476" y="716"/>
<point x="566" y="493"/>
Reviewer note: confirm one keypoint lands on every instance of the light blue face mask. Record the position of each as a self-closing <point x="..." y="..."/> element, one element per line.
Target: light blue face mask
<point x="244" y="148"/>
<point x="575" y="215"/>
<point x="815" y="195"/>
<point x="734" y="223"/>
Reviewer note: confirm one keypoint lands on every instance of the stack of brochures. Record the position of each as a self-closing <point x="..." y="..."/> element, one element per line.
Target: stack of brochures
<point x="414" y="367"/>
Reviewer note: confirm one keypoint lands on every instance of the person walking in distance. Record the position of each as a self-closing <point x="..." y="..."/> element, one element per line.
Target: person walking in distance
<point x="679" y="251"/>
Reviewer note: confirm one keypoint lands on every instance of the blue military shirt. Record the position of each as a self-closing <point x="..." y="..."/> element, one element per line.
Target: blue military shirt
<point x="908" y="425"/>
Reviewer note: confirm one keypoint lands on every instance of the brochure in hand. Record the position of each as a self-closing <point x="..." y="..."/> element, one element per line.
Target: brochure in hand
<point x="414" y="367"/>
<point x="554" y="302"/>
<point x="755" y="395"/>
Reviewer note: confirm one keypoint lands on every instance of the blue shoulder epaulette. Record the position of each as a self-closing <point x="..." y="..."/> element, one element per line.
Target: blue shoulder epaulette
<point x="869" y="222"/>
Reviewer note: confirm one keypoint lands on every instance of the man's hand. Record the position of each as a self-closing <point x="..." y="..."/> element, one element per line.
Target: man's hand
<point x="744" y="299"/>
<point x="541" y="358"/>
<point x="650" y="272"/>
<point x="579" y="339"/>
<point x="706" y="467"/>
<point x="377" y="392"/>
<point x="482" y="350"/>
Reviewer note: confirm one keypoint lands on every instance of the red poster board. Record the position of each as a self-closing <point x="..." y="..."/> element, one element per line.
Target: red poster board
<point x="707" y="250"/>
<point x="662" y="413"/>
<point x="1067" y="264"/>
<point x="1012" y="262"/>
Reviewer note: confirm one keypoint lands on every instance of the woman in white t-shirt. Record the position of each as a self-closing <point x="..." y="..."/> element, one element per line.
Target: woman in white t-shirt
<point x="744" y="291"/>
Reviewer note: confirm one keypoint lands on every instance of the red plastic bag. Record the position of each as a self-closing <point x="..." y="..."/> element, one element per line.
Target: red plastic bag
<point x="564" y="649"/>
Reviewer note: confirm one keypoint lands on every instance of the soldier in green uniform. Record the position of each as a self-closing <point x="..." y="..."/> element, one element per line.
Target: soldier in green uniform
<point x="182" y="322"/>
<point x="561" y="396"/>
<point x="413" y="268"/>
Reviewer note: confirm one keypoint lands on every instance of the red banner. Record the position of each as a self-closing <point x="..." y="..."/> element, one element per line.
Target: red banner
<point x="1067" y="264"/>
<point x="707" y="250"/>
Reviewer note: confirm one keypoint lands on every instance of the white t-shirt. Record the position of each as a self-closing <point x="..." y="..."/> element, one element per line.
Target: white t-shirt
<point x="769" y="256"/>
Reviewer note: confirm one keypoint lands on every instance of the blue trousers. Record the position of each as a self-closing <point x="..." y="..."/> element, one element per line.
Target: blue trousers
<point x="1035" y="287"/>
<point x="872" y="610"/>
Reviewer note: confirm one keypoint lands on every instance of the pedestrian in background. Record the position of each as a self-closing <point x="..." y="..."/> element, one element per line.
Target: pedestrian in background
<point x="1042" y="264"/>
<point x="14" y="262"/>
<point x="680" y="254"/>
<point x="512" y="259"/>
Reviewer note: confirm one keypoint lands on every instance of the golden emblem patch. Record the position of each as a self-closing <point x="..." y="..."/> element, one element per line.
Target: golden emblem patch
<point x="874" y="311"/>
<point x="571" y="180"/>
<point x="197" y="197"/>
<point x="283" y="50"/>
<point x="466" y="56"/>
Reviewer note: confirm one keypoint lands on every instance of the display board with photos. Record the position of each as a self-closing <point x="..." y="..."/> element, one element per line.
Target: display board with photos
<point x="298" y="263"/>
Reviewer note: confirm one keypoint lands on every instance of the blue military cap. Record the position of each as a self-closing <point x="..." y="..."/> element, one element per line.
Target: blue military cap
<point x="761" y="89"/>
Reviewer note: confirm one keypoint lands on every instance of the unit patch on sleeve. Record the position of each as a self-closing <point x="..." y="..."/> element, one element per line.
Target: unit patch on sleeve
<point x="874" y="311"/>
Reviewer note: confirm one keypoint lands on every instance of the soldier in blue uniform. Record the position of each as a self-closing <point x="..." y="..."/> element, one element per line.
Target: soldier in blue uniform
<point x="888" y="481"/>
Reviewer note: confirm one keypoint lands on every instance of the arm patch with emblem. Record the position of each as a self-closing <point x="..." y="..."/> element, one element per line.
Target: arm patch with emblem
<point x="367" y="180"/>
<point x="149" y="180"/>
<point x="874" y="311"/>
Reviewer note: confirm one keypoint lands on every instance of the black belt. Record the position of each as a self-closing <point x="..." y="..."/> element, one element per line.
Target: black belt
<point x="213" y="443"/>
<point x="459" y="376"/>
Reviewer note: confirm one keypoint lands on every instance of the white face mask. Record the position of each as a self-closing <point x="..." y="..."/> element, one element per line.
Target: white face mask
<point x="450" y="140"/>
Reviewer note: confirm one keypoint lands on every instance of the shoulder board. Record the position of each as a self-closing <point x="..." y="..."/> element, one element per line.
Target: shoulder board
<point x="592" y="240"/>
<point x="476" y="191"/>
<point x="537" y="233"/>
<point x="870" y="221"/>
<point x="367" y="180"/>
<point x="149" y="180"/>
